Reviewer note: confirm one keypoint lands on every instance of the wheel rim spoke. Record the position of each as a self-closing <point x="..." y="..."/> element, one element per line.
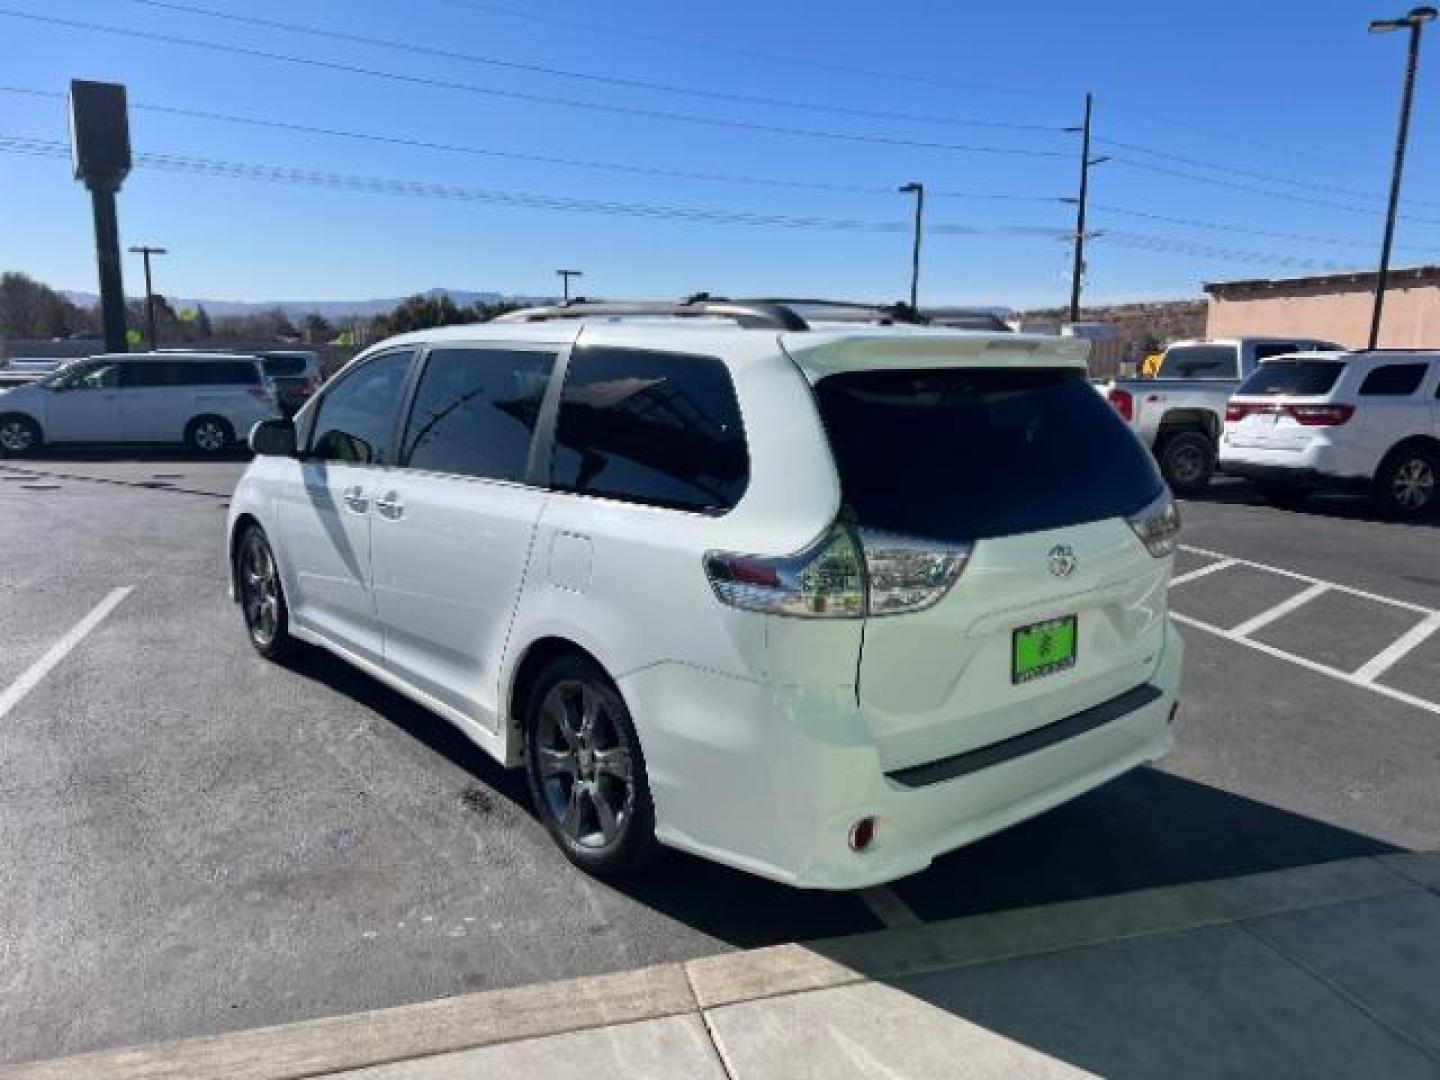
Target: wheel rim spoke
<point x="553" y="762"/>
<point x="605" y="816"/>
<point x="614" y="762"/>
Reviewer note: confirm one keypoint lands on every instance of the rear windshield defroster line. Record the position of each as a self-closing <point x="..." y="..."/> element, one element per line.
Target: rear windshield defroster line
<point x="970" y="453"/>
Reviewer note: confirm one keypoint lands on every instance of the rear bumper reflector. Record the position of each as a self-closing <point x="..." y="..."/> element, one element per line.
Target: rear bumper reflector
<point x="1069" y="727"/>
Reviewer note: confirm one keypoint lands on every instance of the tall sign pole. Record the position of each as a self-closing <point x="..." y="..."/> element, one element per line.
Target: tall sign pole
<point x="100" y="149"/>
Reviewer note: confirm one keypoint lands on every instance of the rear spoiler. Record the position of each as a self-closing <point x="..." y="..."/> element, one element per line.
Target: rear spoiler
<point x="820" y="354"/>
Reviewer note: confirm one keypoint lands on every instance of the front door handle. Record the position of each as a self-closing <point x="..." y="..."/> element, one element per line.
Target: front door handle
<point x="390" y="506"/>
<point x="355" y="499"/>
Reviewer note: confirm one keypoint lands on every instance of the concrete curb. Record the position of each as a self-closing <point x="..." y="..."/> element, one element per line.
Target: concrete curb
<point x="317" y="1047"/>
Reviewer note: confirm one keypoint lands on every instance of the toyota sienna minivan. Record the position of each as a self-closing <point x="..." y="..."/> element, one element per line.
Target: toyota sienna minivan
<point x="818" y="600"/>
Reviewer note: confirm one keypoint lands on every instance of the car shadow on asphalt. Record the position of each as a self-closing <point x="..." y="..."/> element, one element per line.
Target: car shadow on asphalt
<point x="1232" y="492"/>
<point x="1143" y="830"/>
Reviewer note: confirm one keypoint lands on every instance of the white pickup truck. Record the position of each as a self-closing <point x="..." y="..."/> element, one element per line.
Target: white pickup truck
<point x="1180" y="413"/>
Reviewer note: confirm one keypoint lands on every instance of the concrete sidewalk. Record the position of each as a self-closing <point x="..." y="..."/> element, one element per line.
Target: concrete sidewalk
<point x="1329" y="970"/>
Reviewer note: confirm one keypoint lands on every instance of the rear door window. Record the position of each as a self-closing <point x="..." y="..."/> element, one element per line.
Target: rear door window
<point x="1275" y="348"/>
<point x="284" y="366"/>
<point x="1297" y="377"/>
<point x="148" y="374"/>
<point x="968" y="453"/>
<point x="650" y="427"/>
<point x="355" y="423"/>
<point x="475" y="411"/>
<point x="1199" y="362"/>
<point x="1393" y="380"/>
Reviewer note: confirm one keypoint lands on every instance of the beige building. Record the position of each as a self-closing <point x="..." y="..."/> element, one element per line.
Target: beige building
<point x="1335" y="307"/>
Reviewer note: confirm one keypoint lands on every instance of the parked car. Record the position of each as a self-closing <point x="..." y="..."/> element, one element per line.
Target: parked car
<point x="1367" y="421"/>
<point x="1180" y="412"/>
<point x="295" y="374"/>
<point x="639" y="557"/>
<point x="204" y="400"/>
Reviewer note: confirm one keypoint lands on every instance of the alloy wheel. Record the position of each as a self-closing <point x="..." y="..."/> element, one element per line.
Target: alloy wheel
<point x="260" y="590"/>
<point x="586" y="772"/>
<point x="209" y="436"/>
<point x="16" y="436"/>
<point x="1413" y="485"/>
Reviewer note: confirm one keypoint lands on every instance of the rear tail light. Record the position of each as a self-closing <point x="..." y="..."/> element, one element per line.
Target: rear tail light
<point x="1158" y="526"/>
<point x="1307" y="415"/>
<point x="844" y="574"/>
<point x="1321" y="415"/>
<point x="1123" y="402"/>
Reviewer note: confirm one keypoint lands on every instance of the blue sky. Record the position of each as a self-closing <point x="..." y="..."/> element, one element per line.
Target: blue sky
<point x="1296" y="92"/>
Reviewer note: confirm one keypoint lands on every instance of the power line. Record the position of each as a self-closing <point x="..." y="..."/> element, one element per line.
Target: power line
<point x="591" y="77"/>
<point x="1234" y="185"/>
<point x="1247" y="230"/>
<point x="791" y="59"/>
<point x="515" y="95"/>
<point x="25" y="145"/>
<point x="423" y="189"/>
<point x="1250" y="174"/>
<point x="887" y="190"/>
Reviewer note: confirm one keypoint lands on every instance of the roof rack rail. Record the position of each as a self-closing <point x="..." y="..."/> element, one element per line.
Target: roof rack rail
<point x="850" y="310"/>
<point x="751" y="314"/>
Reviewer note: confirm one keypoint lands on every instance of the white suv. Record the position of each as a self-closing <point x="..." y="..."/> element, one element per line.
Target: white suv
<point x="1367" y="421"/>
<point x="818" y="602"/>
<point x="204" y="400"/>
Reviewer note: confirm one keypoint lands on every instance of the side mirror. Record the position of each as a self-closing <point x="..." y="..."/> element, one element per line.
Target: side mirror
<point x="273" y="438"/>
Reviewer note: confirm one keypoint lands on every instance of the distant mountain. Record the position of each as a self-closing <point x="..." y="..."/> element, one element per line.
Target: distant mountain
<point x="331" y="309"/>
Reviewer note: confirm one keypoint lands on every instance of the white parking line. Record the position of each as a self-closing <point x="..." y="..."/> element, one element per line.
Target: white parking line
<point x="1312" y="665"/>
<point x="32" y="675"/>
<point x="1232" y="561"/>
<point x="1378" y="665"/>
<point x="1280" y="610"/>
<point x="1209" y="568"/>
<point x="887" y="906"/>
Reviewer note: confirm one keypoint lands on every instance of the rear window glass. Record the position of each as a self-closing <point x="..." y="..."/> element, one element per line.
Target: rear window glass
<point x="1299" y="377"/>
<point x="650" y="427"/>
<point x="1198" y="362"/>
<point x="221" y="373"/>
<point x="963" y="453"/>
<point x="284" y="365"/>
<point x="1393" y="380"/>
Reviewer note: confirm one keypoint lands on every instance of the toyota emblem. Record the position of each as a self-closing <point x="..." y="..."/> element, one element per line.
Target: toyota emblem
<point x="1062" y="560"/>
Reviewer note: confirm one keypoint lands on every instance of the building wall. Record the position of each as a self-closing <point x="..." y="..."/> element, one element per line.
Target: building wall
<point x="1342" y="314"/>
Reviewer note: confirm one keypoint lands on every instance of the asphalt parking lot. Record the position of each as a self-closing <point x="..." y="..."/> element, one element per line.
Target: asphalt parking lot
<point x="198" y="841"/>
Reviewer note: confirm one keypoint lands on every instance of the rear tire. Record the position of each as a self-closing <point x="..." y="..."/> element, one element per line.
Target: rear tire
<point x="19" y="435"/>
<point x="262" y="596"/>
<point x="1407" y="484"/>
<point x="1187" y="461"/>
<point x="586" y="770"/>
<point x="209" y="435"/>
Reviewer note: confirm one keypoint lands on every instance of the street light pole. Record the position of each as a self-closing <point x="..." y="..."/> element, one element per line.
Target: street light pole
<point x="565" y="276"/>
<point x="918" y="190"/>
<point x="143" y="250"/>
<point x="1414" y="21"/>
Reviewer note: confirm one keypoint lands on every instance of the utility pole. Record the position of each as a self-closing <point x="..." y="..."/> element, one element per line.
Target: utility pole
<point x="918" y="190"/>
<point x="1414" y="20"/>
<point x="566" y="275"/>
<point x="142" y="249"/>
<point x="1086" y="163"/>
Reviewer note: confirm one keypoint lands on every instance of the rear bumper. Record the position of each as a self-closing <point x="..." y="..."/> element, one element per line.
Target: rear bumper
<point x="1301" y="477"/>
<point x="1319" y="463"/>
<point x="773" y="781"/>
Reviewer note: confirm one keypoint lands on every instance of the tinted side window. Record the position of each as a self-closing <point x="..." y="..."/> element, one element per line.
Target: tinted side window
<point x="143" y="374"/>
<point x="475" y="410"/>
<point x="224" y="373"/>
<point x="650" y="427"/>
<point x="356" y="418"/>
<point x="1393" y="380"/>
<point x="277" y="366"/>
<point x="1275" y="349"/>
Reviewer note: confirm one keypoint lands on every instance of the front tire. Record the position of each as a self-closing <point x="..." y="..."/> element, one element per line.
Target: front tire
<point x="19" y="435"/>
<point x="1187" y="461"/>
<point x="209" y="435"/>
<point x="586" y="770"/>
<point x="1408" y="483"/>
<point x="262" y="596"/>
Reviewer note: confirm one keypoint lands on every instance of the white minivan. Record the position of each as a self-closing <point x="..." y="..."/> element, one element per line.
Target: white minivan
<point x="1361" y="421"/>
<point x="818" y="601"/>
<point x="204" y="400"/>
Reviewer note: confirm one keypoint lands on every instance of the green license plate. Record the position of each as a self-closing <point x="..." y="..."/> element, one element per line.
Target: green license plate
<point x="1043" y="649"/>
